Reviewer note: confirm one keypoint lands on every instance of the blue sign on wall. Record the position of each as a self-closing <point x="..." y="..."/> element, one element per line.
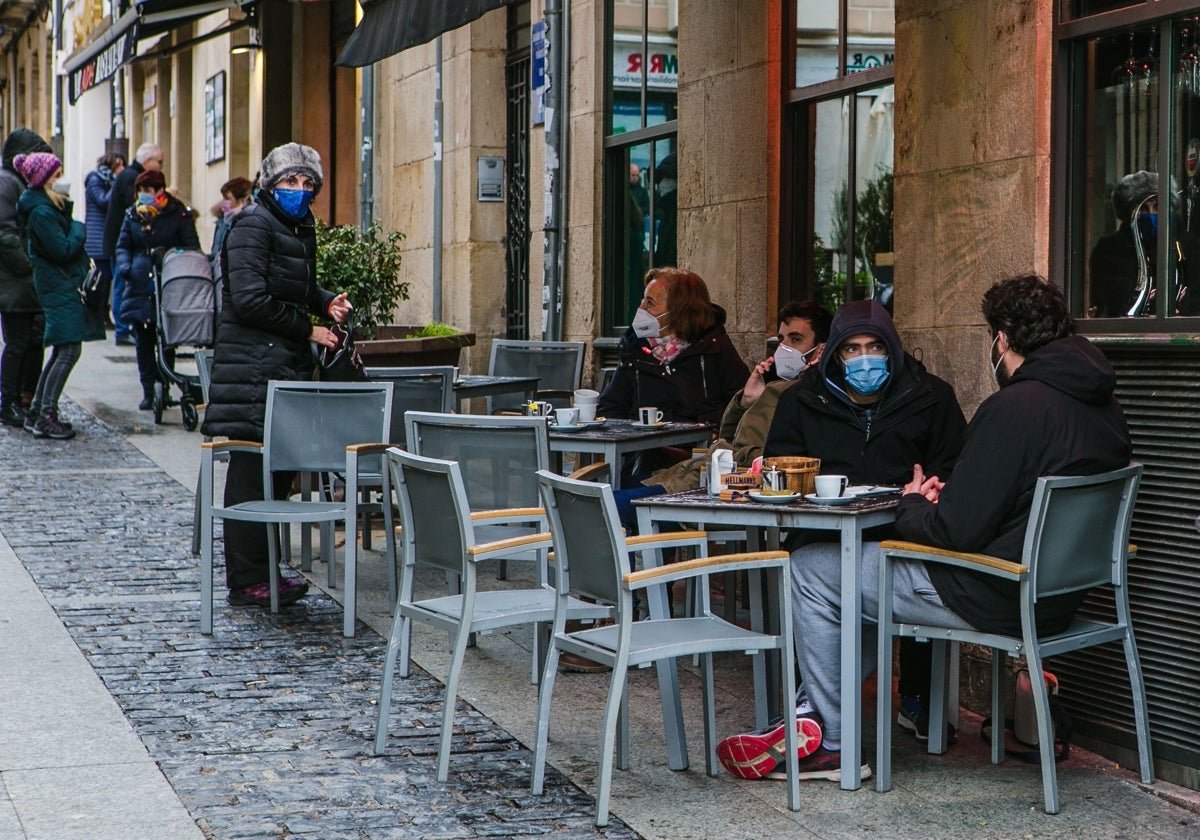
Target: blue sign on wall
<point x="537" y="81"/>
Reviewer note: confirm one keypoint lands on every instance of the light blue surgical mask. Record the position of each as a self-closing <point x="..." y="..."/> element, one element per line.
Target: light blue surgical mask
<point x="293" y="202"/>
<point x="144" y="198"/>
<point x="867" y="374"/>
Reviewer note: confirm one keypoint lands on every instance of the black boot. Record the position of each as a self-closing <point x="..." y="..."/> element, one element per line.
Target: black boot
<point x="12" y="414"/>
<point x="147" y="402"/>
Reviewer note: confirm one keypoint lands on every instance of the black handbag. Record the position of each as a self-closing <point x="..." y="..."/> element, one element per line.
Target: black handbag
<point x="95" y="291"/>
<point x="341" y="363"/>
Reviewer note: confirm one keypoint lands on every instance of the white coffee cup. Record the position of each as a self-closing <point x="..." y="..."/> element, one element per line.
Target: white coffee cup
<point x="831" y="486"/>
<point x="586" y="396"/>
<point x="587" y="413"/>
<point x="648" y="415"/>
<point x="566" y="416"/>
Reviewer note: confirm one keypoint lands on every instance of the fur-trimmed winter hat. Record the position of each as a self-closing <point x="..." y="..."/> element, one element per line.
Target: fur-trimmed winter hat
<point x="1131" y="191"/>
<point x="150" y="178"/>
<point x="291" y="159"/>
<point x="37" y="168"/>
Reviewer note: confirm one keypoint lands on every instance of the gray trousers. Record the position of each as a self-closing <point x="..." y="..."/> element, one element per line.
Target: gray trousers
<point x="817" y="617"/>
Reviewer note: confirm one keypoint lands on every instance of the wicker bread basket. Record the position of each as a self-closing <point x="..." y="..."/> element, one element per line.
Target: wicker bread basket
<point x="801" y="472"/>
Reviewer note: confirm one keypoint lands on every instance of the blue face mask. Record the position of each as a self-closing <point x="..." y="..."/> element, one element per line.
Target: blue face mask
<point x="867" y="374"/>
<point x="1148" y="224"/>
<point x="293" y="202"/>
<point x="144" y="198"/>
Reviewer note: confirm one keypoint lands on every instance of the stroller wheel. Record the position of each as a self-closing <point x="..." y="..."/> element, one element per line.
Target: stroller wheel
<point x="160" y="402"/>
<point x="190" y="416"/>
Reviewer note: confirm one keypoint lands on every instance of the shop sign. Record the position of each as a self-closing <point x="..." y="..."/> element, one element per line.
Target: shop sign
<point x="662" y="66"/>
<point x="537" y="72"/>
<point x="104" y="64"/>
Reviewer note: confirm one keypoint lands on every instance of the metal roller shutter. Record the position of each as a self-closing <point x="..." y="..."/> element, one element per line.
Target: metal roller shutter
<point x="1159" y="388"/>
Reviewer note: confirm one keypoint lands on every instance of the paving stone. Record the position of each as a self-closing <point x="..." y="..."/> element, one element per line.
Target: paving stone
<point x="266" y="728"/>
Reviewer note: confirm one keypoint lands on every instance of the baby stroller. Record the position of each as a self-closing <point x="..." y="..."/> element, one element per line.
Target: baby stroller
<point x="187" y="306"/>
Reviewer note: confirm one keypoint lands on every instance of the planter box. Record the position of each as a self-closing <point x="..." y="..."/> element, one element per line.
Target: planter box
<point x="391" y="349"/>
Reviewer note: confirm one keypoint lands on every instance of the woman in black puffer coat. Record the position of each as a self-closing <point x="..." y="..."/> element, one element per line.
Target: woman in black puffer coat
<point x="269" y="291"/>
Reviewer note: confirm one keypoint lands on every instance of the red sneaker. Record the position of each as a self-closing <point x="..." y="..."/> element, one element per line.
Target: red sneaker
<point x="755" y="754"/>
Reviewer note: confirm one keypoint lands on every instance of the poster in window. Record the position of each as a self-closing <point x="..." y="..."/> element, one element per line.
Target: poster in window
<point x="214" y="118"/>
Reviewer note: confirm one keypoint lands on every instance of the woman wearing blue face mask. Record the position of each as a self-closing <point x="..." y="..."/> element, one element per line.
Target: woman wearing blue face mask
<point x="269" y="293"/>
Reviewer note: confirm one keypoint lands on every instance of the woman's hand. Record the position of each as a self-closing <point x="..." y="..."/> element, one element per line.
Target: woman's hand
<point x="339" y="308"/>
<point x="755" y="385"/>
<point x="323" y="336"/>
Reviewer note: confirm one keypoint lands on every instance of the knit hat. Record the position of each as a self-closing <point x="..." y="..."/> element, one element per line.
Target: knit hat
<point x="150" y="178"/>
<point x="37" y="168"/>
<point x="291" y="159"/>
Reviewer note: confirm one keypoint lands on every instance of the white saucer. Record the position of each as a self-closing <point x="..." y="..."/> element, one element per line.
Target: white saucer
<point x="828" y="500"/>
<point x="773" y="498"/>
<point x="579" y="427"/>
<point x="657" y="425"/>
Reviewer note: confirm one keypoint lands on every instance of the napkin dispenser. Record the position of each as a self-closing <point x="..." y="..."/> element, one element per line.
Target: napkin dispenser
<point x="720" y="465"/>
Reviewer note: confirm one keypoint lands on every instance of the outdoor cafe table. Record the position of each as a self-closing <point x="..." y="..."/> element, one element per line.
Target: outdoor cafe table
<point x="469" y="387"/>
<point x="617" y="438"/>
<point x="848" y="520"/>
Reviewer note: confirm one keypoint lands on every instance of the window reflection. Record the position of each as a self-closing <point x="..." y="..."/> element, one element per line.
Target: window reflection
<point x="1143" y="236"/>
<point x="870" y="33"/>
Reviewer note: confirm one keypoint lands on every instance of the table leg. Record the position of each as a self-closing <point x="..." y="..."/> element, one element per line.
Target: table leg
<point x="614" y="468"/>
<point x="658" y="602"/>
<point x="851" y="654"/>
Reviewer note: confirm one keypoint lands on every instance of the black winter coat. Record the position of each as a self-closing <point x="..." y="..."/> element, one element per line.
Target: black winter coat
<point x="140" y="249"/>
<point x="694" y="387"/>
<point x="120" y="199"/>
<point x="268" y="292"/>
<point x="1056" y="416"/>
<point x="916" y="420"/>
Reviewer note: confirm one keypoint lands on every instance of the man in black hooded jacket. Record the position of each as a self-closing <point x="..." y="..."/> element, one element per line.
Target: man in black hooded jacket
<point x="1054" y="414"/>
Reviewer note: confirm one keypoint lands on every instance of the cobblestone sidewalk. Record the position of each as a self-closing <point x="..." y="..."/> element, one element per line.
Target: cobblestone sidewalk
<point x="264" y="729"/>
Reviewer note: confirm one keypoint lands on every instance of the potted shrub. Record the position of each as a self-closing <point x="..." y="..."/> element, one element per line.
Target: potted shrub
<point x="366" y="265"/>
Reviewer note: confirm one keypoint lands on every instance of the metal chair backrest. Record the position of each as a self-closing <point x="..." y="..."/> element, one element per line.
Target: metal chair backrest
<point x="434" y="510"/>
<point x="589" y="544"/>
<point x="498" y="455"/>
<point x="557" y="364"/>
<point x="309" y="424"/>
<point x="204" y="366"/>
<point x="416" y="389"/>
<point x="1078" y="532"/>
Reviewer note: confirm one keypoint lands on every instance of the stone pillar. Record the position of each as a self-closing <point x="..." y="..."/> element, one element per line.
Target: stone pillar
<point x="972" y="171"/>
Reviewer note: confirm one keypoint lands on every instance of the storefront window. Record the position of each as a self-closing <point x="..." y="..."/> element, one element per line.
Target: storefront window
<point x="641" y="168"/>
<point x="838" y="185"/>
<point x="1135" y="200"/>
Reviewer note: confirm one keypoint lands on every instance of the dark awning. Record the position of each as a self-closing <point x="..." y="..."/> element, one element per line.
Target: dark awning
<point x="389" y="26"/>
<point x="117" y="44"/>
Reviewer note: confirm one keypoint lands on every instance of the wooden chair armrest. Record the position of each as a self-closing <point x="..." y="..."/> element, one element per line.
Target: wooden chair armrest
<point x="675" y="538"/>
<point x="717" y="564"/>
<point x="965" y="560"/>
<point x="511" y="514"/>
<point x="368" y="448"/>
<point x="485" y="551"/>
<point x="232" y="445"/>
<point x="598" y="471"/>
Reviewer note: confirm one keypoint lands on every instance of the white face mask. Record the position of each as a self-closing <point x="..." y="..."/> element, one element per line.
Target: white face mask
<point x="62" y="186"/>
<point x="997" y="377"/>
<point x="790" y="362"/>
<point x="645" y="325"/>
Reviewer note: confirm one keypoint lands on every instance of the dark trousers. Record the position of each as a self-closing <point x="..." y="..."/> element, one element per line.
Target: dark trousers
<point x="104" y="266"/>
<point x="118" y="294"/>
<point x="21" y="361"/>
<point x="247" y="556"/>
<point x="147" y="337"/>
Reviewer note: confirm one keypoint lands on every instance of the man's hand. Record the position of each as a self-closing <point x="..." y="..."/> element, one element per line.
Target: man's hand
<point x="755" y="385"/>
<point x="930" y="487"/>
<point x="323" y="336"/>
<point x="339" y="308"/>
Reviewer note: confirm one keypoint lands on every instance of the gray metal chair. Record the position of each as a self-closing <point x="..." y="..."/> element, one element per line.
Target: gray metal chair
<point x="1077" y="539"/>
<point x="591" y="561"/>
<point x="309" y="427"/>
<point x="204" y="364"/>
<point x="557" y="364"/>
<point x="499" y="457"/>
<point x="437" y="533"/>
